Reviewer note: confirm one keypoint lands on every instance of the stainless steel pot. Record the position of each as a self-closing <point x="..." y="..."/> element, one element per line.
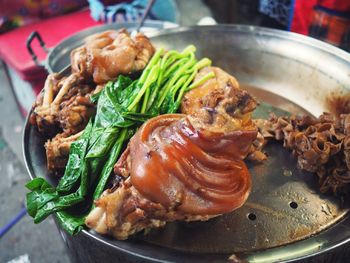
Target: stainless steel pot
<point x="58" y="57"/>
<point x="285" y="217"/>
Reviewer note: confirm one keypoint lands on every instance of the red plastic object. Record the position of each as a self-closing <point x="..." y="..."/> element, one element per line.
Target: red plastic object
<point x="13" y="49"/>
<point x="302" y="16"/>
<point x="304" y="13"/>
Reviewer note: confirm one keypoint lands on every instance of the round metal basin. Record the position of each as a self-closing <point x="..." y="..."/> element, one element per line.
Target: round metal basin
<point x="286" y="218"/>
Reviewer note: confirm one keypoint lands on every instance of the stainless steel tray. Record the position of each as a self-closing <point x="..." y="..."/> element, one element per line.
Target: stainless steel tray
<point x="285" y="217"/>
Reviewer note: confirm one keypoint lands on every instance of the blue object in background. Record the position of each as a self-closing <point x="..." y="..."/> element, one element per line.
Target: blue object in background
<point x="13" y="221"/>
<point x="165" y="10"/>
<point x="280" y="10"/>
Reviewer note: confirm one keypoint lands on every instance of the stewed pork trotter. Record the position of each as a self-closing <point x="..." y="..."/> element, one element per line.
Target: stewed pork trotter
<point x="106" y="55"/>
<point x="181" y="167"/>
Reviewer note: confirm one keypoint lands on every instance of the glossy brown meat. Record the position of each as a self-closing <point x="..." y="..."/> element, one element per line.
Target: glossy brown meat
<point x="61" y="111"/>
<point x="124" y="211"/>
<point x="178" y="165"/>
<point x="181" y="167"/>
<point x="213" y="90"/>
<point x="224" y="88"/>
<point x="64" y="104"/>
<point x="106" y="55"/>
<point x="57" y="151"/>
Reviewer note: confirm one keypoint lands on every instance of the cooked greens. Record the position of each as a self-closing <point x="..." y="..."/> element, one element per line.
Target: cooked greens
<point x="122" y="106"/>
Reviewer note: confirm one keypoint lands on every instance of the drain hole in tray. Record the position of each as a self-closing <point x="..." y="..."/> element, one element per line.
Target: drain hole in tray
<point x="251" y="216"/>
<point x="293" y="205"/>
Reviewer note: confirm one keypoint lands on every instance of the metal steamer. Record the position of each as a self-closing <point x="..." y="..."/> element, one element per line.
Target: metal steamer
<point x="285" y="218"/>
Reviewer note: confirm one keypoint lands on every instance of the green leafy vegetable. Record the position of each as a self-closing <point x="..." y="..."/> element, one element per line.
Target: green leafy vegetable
<point x="71" y="223"/>
<point x="122" y="106"/>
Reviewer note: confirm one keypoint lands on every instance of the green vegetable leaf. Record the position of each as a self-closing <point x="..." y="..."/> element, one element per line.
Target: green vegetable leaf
<point x="38" y="183"/>
<point x="108" y="167"/>
<point x="71" y="223"/>
<point x="76" y="155"/>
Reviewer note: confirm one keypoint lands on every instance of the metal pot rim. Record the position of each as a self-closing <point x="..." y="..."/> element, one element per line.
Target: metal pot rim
<point x="258" y="30"/>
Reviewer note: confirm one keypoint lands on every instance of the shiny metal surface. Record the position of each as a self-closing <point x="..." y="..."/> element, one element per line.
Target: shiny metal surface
<point x="285" y="217"/>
